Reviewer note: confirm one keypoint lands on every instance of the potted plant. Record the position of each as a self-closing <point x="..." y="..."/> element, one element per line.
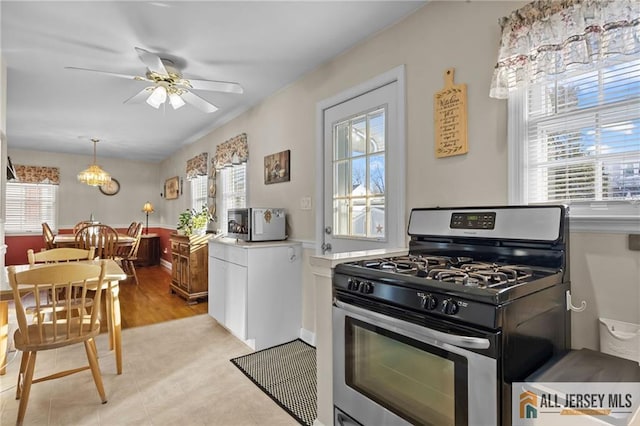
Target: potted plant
<point x="192" y="221"/>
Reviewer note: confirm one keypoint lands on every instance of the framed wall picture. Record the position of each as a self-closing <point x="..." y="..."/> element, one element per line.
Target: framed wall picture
<point x="171" y="188"/>
<point x="277" y="167"/>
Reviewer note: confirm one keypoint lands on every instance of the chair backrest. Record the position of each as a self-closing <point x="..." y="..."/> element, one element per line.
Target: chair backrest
<point x="48" y="236"/>
<point x="137" y="234"/>
<point x="57" y="255"/>
<point x="82" y="224"/>
<point x="48" y="330"/>
<point x="132" y="228"/>
<point x="102" y="237"/>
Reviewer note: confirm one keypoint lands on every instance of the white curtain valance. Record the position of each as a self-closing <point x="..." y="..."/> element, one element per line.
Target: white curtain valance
<point x="548" y="37"/>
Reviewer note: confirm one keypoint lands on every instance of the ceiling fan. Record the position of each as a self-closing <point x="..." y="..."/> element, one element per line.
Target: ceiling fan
<point x="167" y="82"/>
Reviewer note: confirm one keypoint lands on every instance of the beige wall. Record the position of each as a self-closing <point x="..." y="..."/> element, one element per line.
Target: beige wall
<point x="138" y="183"/>
<point x="462" y="35"/>
<point x="441" y="35"/>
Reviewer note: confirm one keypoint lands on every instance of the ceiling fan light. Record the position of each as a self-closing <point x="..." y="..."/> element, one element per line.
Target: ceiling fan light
<point x="175" y="100"/>
<point x="157" y="97"/>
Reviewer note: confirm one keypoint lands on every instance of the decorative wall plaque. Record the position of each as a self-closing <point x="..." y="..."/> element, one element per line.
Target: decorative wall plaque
<point x="450" y="118"/>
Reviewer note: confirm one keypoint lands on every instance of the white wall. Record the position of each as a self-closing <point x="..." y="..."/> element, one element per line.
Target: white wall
<point x="441" y="35"/>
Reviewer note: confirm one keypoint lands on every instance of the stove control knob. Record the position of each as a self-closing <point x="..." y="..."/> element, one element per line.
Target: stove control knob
<point x="366" y="287"/>
<point x="353" y="284"/>
<point x="449" y="307"/>
<point x="429" y="302"/>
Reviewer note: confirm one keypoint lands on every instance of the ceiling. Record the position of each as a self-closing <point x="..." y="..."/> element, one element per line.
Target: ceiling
<point x="262" y="45"/>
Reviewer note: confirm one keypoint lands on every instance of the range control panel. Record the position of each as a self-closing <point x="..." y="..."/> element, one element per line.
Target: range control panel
<point x="469" y="220"/>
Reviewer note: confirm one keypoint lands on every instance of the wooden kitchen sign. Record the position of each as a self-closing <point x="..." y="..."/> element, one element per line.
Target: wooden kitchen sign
<point x="450" y="118"/>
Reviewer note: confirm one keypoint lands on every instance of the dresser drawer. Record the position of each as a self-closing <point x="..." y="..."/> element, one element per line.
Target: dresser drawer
<point x="175" y="247"/>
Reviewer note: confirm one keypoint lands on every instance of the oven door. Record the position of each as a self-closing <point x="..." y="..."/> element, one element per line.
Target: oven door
<point x="391" y="372"/>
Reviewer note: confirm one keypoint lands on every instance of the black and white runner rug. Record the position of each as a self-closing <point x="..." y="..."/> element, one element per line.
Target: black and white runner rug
<point x="287" y="373"/>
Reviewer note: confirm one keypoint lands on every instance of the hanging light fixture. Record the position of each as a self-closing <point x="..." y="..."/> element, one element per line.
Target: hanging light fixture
<point x="94" y="175"/>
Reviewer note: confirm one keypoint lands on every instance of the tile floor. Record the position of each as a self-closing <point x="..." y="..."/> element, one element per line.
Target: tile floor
<point x="175" y="373"/>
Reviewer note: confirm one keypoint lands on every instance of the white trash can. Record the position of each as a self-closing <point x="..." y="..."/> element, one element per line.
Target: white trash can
<point x="620" y="339"/>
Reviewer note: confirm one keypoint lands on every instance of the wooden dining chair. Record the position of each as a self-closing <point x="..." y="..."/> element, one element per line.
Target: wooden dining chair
<point x="48" y="236"/>
<point x="102" y="237"/>
<point x="129" y="255"/>
<point x="56" y="255"/>
<point x="52" y="332"/>
<point x="81" y="225"/>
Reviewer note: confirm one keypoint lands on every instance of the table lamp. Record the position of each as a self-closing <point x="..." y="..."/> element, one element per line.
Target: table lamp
<point x="147" y="208"/>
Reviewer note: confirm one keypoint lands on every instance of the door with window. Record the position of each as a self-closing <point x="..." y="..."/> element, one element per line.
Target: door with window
<point x="364" y="171"/>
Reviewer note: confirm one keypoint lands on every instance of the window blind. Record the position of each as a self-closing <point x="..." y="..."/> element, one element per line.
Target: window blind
<point x="234" y="191"/>
<point x="28" y="205"/>
<point x="198" y="192"/>
<point x="583" y="136"/>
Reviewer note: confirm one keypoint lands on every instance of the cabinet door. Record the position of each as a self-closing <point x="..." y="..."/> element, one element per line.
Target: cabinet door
<point x="217" y="272"/>
<point x="236" y="300"/>
<point x="185" y="273"/>
<point x="175" y="268"/>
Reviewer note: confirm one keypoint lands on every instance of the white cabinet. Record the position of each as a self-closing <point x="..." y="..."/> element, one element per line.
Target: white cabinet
<point x="255" y="290"/>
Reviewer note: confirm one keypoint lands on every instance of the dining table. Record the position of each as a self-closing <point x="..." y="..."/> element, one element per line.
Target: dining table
<point x="69" y="240"/>
<point x="113" y="275"/>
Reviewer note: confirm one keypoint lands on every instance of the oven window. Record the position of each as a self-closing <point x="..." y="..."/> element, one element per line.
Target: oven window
<point x="421" y="383"/>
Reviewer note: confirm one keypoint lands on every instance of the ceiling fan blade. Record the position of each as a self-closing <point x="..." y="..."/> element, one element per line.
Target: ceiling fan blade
<point x="198" y="102"/>
<point x="140" y="96"/>
<point x="215" y="86"/>
<point x="113" y="74"/>
<point x="152" y="61"/>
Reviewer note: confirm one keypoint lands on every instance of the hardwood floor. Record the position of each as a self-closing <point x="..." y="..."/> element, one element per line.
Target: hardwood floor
<point x="150" y="302"/>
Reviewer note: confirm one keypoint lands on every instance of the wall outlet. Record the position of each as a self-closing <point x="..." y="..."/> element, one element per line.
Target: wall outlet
<point x="305" y="203"/>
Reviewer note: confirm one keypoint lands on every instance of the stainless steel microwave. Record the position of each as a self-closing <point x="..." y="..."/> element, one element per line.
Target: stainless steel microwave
<point x="257" y="224"/>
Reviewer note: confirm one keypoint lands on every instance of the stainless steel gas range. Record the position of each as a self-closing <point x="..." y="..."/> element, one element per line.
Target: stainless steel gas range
<point x="438" y="336"/>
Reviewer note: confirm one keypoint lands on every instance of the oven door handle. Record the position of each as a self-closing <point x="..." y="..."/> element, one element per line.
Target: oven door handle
<point x="452" y="339"/>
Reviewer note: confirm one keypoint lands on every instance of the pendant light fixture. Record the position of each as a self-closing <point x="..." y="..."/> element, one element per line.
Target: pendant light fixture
<point x="94" y="175"/>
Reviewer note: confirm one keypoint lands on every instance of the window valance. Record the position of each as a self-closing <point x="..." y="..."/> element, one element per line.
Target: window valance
<point x="197" y="166"/>
<point x="550" y="37"/>
<point x="233" y="151"/>
<point x="38" y="174"/>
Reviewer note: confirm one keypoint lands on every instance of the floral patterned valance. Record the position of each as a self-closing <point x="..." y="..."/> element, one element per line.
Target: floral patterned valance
<point x="233" y="151"/>
<point x="549" y="37"/>
<point x="197" y="166"/>
<point x="38" y="174"/>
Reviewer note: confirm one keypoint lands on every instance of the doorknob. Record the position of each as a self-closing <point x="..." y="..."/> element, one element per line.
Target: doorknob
<point x="328" y="230"/>
<point x="325" y="247"/>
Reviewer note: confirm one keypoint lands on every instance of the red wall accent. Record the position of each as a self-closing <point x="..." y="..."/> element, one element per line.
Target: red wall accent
<point x="18" y="245"/>
<point x="164" y="242"/>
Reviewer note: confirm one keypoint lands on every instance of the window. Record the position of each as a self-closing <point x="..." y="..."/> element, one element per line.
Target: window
<point x="198" y="192"/>
<point x="234" y="191"/>
<point x="30" y="204"/>
<point x="359" y="176"/>
<point x="576" y="140"/>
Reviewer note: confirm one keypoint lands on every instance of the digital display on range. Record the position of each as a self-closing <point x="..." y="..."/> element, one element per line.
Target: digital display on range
<point x="484" y="220"/>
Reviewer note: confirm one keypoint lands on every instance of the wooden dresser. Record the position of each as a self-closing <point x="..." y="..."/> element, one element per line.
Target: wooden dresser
<point x="189" y="266"/>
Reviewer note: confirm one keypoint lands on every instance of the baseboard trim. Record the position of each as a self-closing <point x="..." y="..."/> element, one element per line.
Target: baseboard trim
<point x="308" y="337"/>
<point x="165" y="263"/>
